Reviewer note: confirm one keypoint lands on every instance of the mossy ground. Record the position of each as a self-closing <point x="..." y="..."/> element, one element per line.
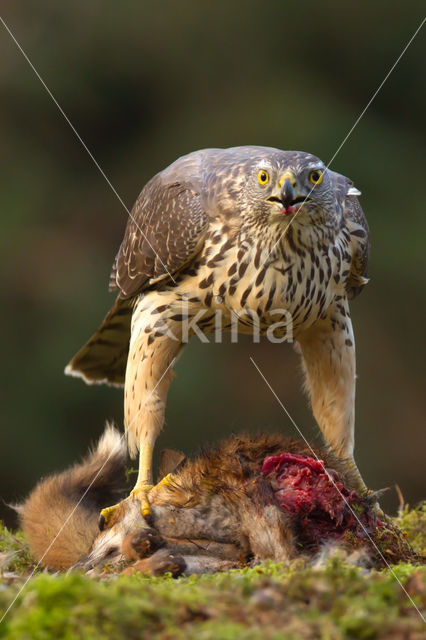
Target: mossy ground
<point x="267" y="601"/>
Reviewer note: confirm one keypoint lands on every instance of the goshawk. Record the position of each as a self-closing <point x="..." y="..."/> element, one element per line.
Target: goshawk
<point x="252" y="238"/>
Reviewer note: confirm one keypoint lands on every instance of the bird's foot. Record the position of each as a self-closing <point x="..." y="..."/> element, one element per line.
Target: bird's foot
<point x="140" y="492"/>
<point x="107" y="516"/>
<point x="110" y="515"/>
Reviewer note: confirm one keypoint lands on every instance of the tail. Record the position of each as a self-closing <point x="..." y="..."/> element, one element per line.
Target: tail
<point x="103" y="358"/>
<point x="60" y="516"/>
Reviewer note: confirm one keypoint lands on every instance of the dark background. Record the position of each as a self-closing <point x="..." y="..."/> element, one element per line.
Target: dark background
<point x="143" y="83"/>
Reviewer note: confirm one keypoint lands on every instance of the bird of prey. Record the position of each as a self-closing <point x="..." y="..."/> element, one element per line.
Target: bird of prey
<point x="264" y="236"/>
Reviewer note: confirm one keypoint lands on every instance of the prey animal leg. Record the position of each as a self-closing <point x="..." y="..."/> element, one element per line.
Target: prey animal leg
<point x="144" y="542"/>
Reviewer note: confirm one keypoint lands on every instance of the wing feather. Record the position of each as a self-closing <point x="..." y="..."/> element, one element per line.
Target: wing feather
<point x="166" y="230"/>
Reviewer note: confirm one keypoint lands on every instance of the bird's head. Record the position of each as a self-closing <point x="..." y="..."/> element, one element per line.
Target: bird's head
<point x="285" y="184"/>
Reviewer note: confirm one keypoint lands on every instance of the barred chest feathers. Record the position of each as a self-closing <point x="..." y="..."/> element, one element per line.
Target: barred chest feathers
<point x="277" y="281"/>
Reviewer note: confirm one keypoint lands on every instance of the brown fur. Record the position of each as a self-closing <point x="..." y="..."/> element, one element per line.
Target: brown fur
<point x="225" y="468"/>
<point x="214" y="505"/>
<point x="221" y="497"/>
<point x="213" y="513"/>
<point x="58" y="533"/>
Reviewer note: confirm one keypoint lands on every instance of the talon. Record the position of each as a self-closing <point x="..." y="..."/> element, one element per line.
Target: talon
<point x="105" y="516"/>
<point x="101" y="522"/>
<point x="141" y="494"/>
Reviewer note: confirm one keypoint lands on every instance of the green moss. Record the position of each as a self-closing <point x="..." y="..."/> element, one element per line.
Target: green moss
<point x="413" y="523"/>
<point x="271" y="601"/>
<point x="268" y="601"/>
<point x="15" y="554"/>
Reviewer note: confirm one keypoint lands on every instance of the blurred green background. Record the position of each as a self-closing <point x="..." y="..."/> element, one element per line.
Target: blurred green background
<point x="143" y="83"/>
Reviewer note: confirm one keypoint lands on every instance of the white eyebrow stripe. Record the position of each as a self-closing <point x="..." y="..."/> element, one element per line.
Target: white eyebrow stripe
<point x="316" y="165"/>
<point x="264" y="164"/>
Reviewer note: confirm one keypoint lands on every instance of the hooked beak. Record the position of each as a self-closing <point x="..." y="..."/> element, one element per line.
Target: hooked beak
<point x="288" y="197"/>
<point x="287" y="194"/>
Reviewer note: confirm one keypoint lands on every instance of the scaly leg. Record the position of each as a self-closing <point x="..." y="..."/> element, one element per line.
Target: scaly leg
<point x="144" y="480"/>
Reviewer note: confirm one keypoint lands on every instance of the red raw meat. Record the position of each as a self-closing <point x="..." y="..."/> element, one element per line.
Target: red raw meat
<point x="323" y="508"/>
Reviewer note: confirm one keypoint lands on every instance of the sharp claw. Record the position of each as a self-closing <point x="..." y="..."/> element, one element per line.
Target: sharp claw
<point x="140" y="493"/>
<point x="149" y="519"/>
<point x="105" y="516"/>
<point x="101" y="522"/>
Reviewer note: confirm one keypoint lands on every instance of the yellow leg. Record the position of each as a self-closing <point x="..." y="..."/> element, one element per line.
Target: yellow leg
<point x="144" y="481"/>
<point x="141" y="491"/>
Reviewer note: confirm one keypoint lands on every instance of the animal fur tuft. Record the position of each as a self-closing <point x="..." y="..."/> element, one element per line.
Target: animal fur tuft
<point x="60" y="516"/>
<point x="361" y="557"/>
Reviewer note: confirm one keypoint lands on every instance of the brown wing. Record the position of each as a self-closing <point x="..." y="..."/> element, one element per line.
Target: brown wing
<point x="356" y="223"/>
<point x="166" y="230"/>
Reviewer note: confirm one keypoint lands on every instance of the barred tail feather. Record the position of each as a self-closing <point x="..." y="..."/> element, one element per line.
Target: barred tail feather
<point x="103" y="358"/>
<point x="60" y="516"/>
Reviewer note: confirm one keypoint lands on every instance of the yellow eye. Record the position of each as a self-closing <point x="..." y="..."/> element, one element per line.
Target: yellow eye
<point x="315" y="176"/>
<point x="263" y="177"/>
